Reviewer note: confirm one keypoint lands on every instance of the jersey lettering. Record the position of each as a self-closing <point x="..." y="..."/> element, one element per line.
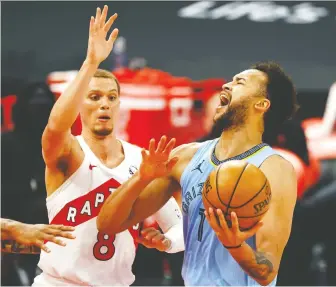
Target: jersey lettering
<point x="85" y="207"/>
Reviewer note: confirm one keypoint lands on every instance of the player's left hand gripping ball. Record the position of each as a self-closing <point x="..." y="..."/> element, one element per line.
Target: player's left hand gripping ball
<point x="230" y="237"/>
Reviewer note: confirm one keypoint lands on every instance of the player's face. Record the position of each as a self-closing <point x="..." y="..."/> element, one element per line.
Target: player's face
<point x="238" y="99"/>
<point x="101" y="106"/>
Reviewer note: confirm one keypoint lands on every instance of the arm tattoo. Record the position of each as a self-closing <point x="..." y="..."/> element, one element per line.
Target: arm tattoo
<point x="11" y="246"/>
<point x="260" y="268"/>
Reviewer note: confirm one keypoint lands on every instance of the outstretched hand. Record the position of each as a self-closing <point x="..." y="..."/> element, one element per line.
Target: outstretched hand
<point x="36" y="234"/>
<point x="98" y="47"/>
<point x="229" y="237"/>
<point x="157" y="162"/>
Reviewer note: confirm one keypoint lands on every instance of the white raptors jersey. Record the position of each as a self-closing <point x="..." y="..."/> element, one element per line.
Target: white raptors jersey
<point x="92" y="258"/>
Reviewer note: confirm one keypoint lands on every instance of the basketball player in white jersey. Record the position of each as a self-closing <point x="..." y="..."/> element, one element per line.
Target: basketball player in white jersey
<point x="82" y="171"/>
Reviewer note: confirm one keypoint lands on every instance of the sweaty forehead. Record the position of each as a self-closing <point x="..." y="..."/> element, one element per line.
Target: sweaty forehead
<point x="103" y="84"/>
<point x="252" y="75"/>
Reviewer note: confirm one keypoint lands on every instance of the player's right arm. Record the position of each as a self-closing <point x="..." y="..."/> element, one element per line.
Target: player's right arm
<point x="144" y="193"/>
<point x="57" y="140"/>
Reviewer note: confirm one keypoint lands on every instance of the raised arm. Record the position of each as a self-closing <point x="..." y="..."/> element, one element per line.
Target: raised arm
<point x="57" y="139"/>
<point x="144" y="193"/>
<point x="272" y="235"/>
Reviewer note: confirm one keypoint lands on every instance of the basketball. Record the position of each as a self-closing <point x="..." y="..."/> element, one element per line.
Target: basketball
<point x="240" y="187"/>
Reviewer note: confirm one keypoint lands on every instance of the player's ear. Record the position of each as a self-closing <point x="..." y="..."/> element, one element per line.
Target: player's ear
<point x="263" y="105"/>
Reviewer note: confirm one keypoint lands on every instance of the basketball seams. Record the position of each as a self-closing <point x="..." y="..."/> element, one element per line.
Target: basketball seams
<point x="234" y="190"/>
<point x="217" y="172"/>
<point x="254" y="216"/>
<point x="230" y="183"/>
<point x="253" y="197"/>
<point x="245" y="217"/>
<point x="209" y="202"/>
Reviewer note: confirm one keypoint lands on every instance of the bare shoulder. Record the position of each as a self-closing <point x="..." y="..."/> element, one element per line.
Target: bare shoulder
<point x="184" y="153"/>
<point x="275" y="164"/>
<point x="186" y="150"/>
<point x="282" y="178"/>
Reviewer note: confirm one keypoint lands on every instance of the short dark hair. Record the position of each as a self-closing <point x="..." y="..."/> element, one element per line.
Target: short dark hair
<point x="101" y="73"/>
<point x="281" y="92"/>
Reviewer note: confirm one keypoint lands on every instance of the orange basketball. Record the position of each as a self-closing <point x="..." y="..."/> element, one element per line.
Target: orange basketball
<point x="240" y="187"/>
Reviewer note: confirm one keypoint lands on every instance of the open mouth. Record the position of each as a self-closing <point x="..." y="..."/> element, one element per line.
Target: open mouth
<point x="104" y="118"/>
<point x="224" y="99"/>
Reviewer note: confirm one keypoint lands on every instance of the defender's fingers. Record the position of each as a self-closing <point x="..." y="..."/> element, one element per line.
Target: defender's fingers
<point x="161" y="144"/>
<point x="98" y="14"/>
<point x="113" y="36"/>
<point x="110" y="22"/>
<point x="151" y="147"/>
<point x="171" y="163"/>
<point x="170" y="146"/>
<point x="103" y="16"/>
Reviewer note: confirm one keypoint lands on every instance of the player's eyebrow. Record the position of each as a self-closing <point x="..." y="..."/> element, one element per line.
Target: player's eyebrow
<point x="99" y="91"/>
<point x="238" y="78"/>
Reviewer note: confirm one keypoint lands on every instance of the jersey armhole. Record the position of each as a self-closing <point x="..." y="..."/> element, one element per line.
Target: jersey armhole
<point x="51" y="199"/>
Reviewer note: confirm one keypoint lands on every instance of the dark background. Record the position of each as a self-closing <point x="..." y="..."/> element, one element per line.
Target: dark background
<point x="39" y="37"/>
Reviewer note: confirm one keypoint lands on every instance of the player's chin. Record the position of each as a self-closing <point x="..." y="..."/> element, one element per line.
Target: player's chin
<point x="102" y="131"/>
<point x="220" y="112"/>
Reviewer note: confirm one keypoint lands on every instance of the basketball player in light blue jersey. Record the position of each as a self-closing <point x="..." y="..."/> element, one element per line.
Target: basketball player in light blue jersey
<point x="255" y="102"/>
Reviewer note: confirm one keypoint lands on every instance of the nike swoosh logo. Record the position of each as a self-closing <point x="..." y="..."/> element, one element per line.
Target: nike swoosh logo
<point x="92" y="166"/>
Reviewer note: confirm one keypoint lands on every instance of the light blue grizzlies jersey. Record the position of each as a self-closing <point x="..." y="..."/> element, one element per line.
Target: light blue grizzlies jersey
<point x="206" y="261"/>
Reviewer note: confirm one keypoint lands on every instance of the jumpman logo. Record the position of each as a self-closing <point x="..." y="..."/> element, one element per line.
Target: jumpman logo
<point x="199" y="167"/>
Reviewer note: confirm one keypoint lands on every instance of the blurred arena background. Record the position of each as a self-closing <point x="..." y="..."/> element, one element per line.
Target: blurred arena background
<point x="171" y="59"/>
